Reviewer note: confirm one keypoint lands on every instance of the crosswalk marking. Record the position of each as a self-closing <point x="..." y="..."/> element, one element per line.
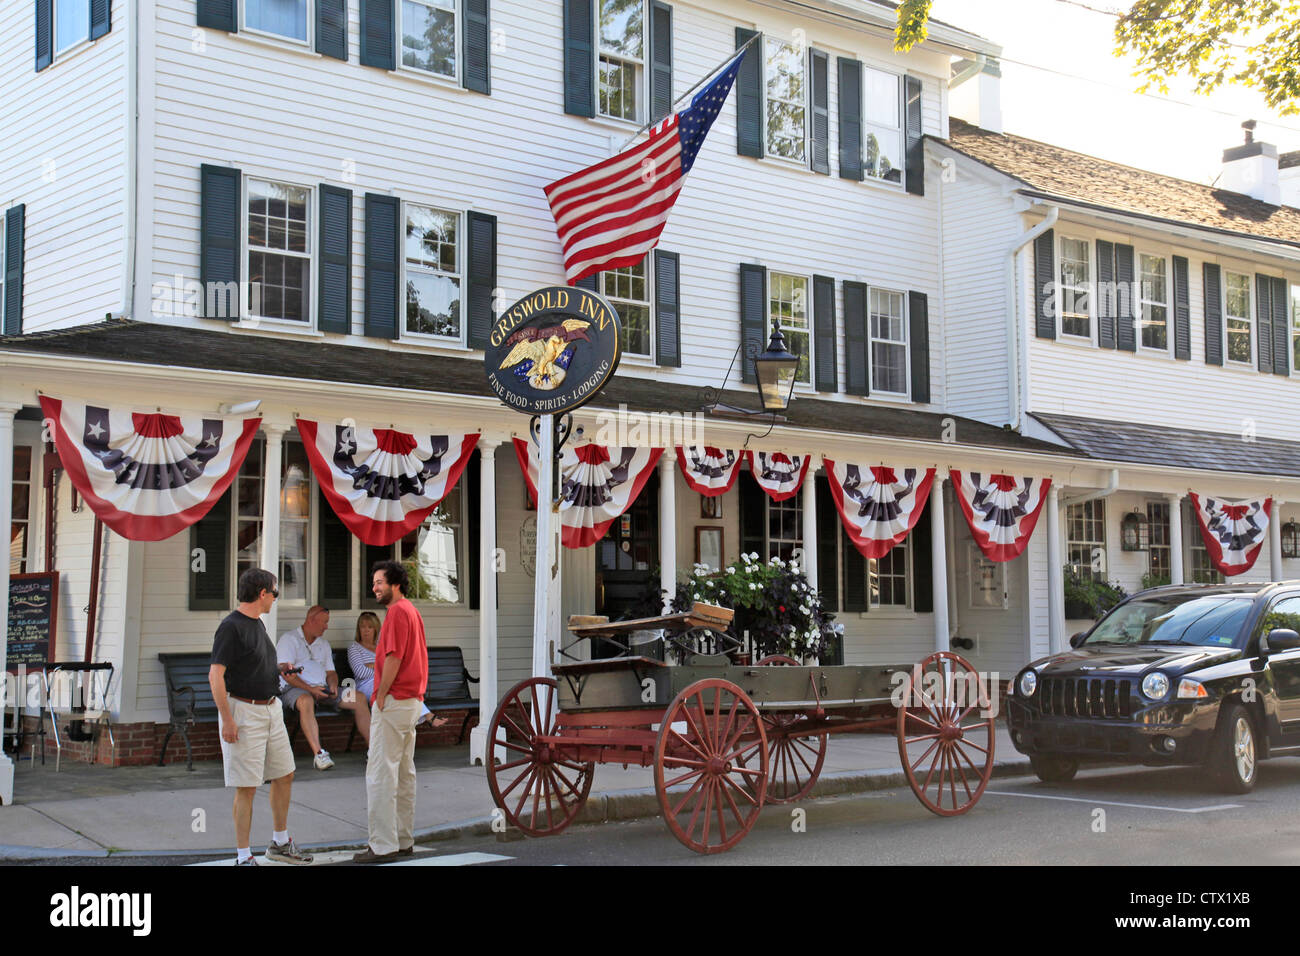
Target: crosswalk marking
<point x="1114" y="803"/>
<point x="345" y="856"/>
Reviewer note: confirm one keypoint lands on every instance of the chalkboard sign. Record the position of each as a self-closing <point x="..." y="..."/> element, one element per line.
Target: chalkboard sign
<point x="33" y="617"/>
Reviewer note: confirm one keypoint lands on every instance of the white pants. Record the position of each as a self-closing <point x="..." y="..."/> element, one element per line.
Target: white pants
<point x="390" y="775"/>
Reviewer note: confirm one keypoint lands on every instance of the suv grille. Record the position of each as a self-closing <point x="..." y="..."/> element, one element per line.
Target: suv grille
<point x="1086" y="697"/>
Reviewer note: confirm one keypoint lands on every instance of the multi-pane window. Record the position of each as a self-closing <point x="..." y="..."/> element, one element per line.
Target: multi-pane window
<point x="295" y="519"/>
<point x="887" y="578"/>
<point x="21" y="503"/>
<point x="882" y="126"/>
<point x="621" y="63"/>
<point x="786" y="88"/>
<point x="1201" y="568"/>
<point x="628" y="290"/>
<point x="1159" y="564"/>
<point x="888" y="326"/>
<point x="429" y="36"/>
<point x="433" y="292"/>
<point x="433" y="555"/>
<point x="1295" y="326"/>
<point x="1236" y="316"/>
<point x="71" y="23"/>
<point x="1076" y="285"/>
<point x="286" y="18"/>
<point x="1085" y="544"/>
<point x="279" y="251"/>
<point x="788" y="307"/>
<point x="1154" y="301"/>
<point x="784" y="527"/>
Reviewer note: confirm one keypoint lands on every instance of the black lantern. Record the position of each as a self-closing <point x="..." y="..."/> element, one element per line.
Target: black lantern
<point x="776" y="370"/>
<point x="1134" y="532"/>
<point x="1291" y="540"/>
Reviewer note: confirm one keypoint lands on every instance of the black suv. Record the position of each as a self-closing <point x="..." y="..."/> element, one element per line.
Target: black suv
<point x="1175" y="675"/>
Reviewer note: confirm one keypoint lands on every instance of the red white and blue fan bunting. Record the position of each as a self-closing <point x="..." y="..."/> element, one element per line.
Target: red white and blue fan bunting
<point x="147" y="475"/>
<point x="1234" y="531"/>
<point x="599" y="484"/>
<point x="778" y="474"/>
<point x="878" y="505"/>
<point x="708" y="470"/>
<point x="383" y="483"/>
<point x="1000" y="509"/>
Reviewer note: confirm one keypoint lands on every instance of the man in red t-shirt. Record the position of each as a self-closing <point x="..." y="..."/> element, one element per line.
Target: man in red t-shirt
<point x="401" y="676"/>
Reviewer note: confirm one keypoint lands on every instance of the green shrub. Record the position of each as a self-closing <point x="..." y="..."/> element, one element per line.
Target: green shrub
<point x="1089" y="598"/>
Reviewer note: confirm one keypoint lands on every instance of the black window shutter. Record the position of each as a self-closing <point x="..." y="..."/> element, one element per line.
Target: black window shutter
<point x="661" y="60"/>
<point x="1264" y="321"/>
<point x="101" y="18"/>
<point x="829" y="533"/>
<point x="1281" y="328"/>
<point x="370" y="556"/>
<point x="335" y="259"/>
<point x="1125" y="336"/>
<point x="753" y="317"/>
<point x="819" y="69"/>
<point x="477" y="72"/>
<point x="218" y="15"/>
<point x="379" y="34"/>
<point x="383" y="246"/>
<point x="1213" y="314"/>
<point x="668" y="319"/>
<point x="44" y="34"/>
<point x="219" y="239"/>
<point x="332" y="28"/>
<point x="753" y="516"/>
<point x="825" y="341"/>
<point x="470" y="481"/>
<point x="12" y="306"/>
<point x="918" y="313"/>
<point x="1045" y="285"/>
<point x="482" y="278"/>
<point x="855" y="577"/>
<point x="922" y="560"/>
<point x="589" y="283"/>
<point x="749" y="96"/>
<point x="915" y="148"/>
<point x="850" y="93"/>
<point x="1182" y="311"/>
<point x="1105" y="297"/>
<point x="579" y="57"/>
<point x="210" y="588"/>
<point x="857" y="376"/>
<point x="334" y="580"/>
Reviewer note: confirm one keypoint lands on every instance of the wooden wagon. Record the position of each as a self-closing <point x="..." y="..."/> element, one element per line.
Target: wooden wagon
<point x="724" y="737"/>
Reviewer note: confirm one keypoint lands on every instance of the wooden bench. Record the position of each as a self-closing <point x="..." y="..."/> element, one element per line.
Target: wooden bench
<point x="448" y="687"/>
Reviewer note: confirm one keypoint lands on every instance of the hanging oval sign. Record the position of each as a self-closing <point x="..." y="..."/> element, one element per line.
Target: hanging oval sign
<point x="552" y="350"/>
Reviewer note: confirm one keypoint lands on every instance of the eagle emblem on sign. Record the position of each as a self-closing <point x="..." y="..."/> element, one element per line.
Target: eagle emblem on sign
<point x="543" y="354"/>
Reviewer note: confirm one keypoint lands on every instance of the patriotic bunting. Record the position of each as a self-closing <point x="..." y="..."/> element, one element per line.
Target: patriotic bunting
<point x="878" y="505"/>
<point x="1234" y="531"/>
<point x="599" y="484"/>
<point x="777" y="474"/>
<point x="147" y="476"/>
<point x="708" y="470"/>
<point x="1000" y="509"/>
<point x="383" y="483"/>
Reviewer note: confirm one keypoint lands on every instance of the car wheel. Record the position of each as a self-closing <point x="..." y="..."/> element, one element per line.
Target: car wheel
<point x="1233" y="756"/>
<point x="1054" y="768"/>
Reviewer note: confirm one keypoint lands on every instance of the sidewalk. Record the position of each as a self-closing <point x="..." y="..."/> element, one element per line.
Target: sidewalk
<point x="94" y="811"/>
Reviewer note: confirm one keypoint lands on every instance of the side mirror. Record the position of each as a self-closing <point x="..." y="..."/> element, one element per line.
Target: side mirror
<point x="1279" y="639"/>
<point x="1077" y="639"/>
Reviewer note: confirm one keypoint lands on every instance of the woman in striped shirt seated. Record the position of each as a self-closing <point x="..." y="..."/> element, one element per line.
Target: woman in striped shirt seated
<point x="361" y="658"/>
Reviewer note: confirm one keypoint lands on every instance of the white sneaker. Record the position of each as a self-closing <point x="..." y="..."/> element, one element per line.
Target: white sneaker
<point x="323" y="761"/>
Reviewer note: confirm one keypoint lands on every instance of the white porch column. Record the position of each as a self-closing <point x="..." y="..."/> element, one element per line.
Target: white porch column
<point x="1055" y="575"/>
<point x="487" y="598"/>
<point x="1175" y="539"/>
<point x="809" y="491"/>
<point x="668" y="525"/>
<point x="939" y="566"/>
<point x="7" y="410"/>
<point x="546" y="587"/>
<point x="272" y="463"/>
<point x="1275" y="542"/>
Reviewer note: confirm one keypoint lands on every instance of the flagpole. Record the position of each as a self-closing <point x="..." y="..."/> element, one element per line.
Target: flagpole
<point x="708" y="76"/>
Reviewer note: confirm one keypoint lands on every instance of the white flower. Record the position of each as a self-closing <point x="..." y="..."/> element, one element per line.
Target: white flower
<point x="731" y="569"/>
<point x="753" y="556"/>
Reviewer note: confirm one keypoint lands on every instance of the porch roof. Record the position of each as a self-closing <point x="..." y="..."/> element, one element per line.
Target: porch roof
<point x="155" y="344"/>
<point x="1175" y="447"/>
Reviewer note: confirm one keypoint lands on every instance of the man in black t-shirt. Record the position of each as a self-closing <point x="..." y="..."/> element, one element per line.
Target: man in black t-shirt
<point x="244" y="677"/>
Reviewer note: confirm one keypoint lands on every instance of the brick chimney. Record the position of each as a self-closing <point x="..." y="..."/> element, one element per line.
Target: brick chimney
<point x="1252" y="169"/>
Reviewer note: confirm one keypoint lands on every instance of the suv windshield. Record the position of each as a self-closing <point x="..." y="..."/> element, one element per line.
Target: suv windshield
<point x="1215" y="621"/>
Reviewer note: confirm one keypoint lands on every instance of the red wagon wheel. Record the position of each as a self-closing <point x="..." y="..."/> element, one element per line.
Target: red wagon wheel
<point x="946" y="734"/>
<point x="778" y="660"/>
<point x="537" y="787"/>
<point x="711" y="765"/>
<point x="795" y="760"/>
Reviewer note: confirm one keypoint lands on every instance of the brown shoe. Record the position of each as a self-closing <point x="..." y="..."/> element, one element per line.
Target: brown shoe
<point x="407" y="851"/>
<point x="370" y="856"/>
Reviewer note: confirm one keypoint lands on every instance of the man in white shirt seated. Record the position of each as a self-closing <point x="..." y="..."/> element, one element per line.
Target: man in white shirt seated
<point x="318" y="682"/>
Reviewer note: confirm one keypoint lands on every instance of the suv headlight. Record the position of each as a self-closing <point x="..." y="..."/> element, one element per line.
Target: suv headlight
<point x="1028" y="683"/>
<point x="1155" y="685"/>
<point x="1194" y="689"/>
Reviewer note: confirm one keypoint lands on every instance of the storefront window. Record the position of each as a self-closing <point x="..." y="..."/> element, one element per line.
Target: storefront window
<point x="21" y="501"/>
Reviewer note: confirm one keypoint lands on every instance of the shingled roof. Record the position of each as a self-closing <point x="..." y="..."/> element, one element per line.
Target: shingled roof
<point x="1055" y="173"/>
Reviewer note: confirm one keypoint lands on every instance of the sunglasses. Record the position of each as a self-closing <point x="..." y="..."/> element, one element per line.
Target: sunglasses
<point x="274" y="592"/>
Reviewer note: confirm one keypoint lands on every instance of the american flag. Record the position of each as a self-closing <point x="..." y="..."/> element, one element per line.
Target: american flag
<point x="611" y="214"/>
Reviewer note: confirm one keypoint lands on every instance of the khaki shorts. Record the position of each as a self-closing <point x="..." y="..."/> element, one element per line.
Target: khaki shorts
<point x="262" y="751"/>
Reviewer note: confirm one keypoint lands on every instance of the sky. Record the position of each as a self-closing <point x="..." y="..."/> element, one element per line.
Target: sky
<point x="1063" y="84"/>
